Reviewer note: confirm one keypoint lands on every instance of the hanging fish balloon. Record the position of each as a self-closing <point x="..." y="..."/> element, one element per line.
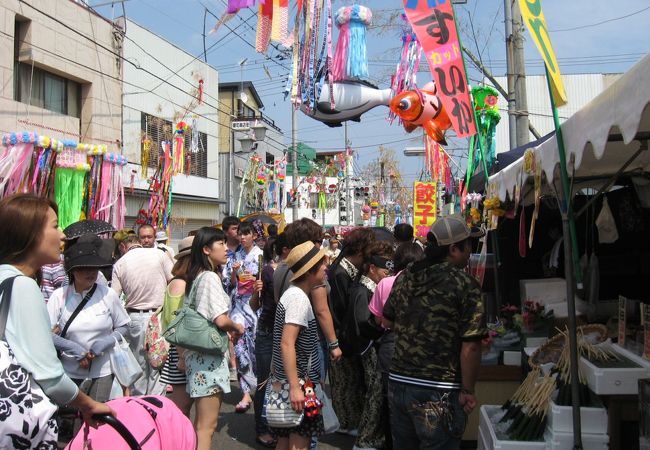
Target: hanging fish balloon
<point x="422" y="108"/>
<point x="351" y="100"/>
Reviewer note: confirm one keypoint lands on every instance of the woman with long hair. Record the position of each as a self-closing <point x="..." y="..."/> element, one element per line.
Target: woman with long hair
<point x="29" y="238"/>
<point x="208" y="377"/>
<point x="173" y="372"/>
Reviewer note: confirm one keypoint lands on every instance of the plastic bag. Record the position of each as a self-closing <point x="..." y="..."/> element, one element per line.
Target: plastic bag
<point x="123" y="363"/>
<point x="330" y="421"/>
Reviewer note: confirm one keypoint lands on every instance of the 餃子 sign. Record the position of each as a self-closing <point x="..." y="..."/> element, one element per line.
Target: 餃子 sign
<point x="424" y="207"/>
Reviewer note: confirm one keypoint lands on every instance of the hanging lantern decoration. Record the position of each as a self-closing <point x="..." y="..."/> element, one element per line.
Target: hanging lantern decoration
<point x="261" y="177"/>
<point x="281" y="171"/>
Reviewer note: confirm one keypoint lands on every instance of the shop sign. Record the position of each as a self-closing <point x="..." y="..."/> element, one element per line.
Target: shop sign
<point x="424" y="207"/>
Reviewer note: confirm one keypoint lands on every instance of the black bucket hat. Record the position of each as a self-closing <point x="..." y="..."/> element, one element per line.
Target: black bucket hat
<point x="89" y="251"/>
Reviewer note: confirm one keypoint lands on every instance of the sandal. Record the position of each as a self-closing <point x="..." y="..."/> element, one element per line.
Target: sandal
<point x="242" y="407"/>
<point x="270" y="443"/>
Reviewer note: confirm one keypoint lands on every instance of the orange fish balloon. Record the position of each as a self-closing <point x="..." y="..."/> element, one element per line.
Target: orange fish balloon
<point x="423" y="109"/>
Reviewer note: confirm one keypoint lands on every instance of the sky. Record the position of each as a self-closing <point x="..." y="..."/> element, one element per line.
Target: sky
<point x="589" y="36"/>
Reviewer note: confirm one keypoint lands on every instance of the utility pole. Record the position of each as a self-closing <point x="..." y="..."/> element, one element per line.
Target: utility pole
<point x="520" y="75"/>
<point x="348" y="202"/>
<point x="510" y="73"/>
<point x="294" y="161"/>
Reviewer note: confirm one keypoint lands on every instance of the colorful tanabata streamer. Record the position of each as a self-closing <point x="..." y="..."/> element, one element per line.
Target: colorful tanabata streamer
<point x="350" y="59"/>
<point x="235" y="5"/>
<point x="73" y="172"/>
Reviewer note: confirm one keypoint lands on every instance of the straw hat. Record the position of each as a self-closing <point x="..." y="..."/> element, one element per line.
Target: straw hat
<point x="184" y="247"/>
<point x="303" y="257"/>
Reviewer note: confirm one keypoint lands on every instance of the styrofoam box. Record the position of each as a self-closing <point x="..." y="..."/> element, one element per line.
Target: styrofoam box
<point x="543" y="291"/>
<point x="564" y="441"/>
<point x="561" y="309"/>
<point x="488" y="438"/>
<point x="618" y="381"/>
<point x="592" y="420"/>
<point x="511" y="358"/>
<point x="535" y="341"/>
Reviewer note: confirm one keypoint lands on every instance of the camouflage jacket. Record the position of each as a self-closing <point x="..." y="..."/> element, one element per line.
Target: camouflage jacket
<point x="433" y="308"/>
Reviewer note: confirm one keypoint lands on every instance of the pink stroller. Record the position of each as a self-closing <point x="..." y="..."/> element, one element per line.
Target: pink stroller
<point x="143" y="423"/>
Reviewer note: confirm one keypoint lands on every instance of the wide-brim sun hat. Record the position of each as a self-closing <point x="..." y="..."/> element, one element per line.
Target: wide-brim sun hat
<point x="89" y="251"/>
<point x="184" y="247"/>
<point x="303" y="257"/>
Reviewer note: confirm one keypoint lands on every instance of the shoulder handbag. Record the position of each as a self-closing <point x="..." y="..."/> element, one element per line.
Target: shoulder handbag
<point x="192" y="331"/>
<point x="279" y="413"/>
<point x="26" y="417"/>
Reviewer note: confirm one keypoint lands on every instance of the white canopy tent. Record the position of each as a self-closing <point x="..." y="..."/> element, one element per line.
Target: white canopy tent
<point x="599" y="139"/>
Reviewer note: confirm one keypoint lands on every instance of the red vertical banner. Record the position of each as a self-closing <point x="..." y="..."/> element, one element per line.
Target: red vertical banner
<point x="424" y="207"/>
<point x="434" y="25"/>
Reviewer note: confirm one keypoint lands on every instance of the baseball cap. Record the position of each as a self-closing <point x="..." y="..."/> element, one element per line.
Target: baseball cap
<point x="452" y="229"/>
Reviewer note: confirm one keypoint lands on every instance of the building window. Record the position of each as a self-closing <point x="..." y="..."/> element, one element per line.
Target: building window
<point x="37" y="87"/>
<point x="156" y="130"/>
<point x="270" y="159"/>
<point x="244" y="111"/>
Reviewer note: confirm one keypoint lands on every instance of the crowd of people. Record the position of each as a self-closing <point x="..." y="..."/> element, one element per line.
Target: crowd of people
<point x="395" y="326"/>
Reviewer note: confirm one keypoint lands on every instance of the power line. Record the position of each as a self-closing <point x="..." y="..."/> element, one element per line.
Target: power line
<point x="601" y="22"/>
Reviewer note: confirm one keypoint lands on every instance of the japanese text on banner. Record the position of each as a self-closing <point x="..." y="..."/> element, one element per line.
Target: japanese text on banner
<point x="531" y="11"/>
<point x="434" y="26"/>
<point x="424" y="207"/>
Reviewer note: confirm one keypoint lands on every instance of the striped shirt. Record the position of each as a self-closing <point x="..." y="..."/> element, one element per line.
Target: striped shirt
<point x="294" y="307"/>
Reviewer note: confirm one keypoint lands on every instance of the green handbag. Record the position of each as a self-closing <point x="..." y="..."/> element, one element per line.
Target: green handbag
<point x="192" y="331"/>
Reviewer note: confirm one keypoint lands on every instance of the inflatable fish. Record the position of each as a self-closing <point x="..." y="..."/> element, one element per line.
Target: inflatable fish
<point x="351" y="100"/>
<point x="423" y="109"/>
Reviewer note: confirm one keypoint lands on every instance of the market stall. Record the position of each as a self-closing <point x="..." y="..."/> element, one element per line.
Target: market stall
<point x="606" y="146"/>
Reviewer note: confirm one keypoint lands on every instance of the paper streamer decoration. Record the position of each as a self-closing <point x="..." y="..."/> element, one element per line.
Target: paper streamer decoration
<point x="435" y="27"/>
<point x="350" y="58"/>
<point x="264" y="27"/>
<point x="280" y="20"/>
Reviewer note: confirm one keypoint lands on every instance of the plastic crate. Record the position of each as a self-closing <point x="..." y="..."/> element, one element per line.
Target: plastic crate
<point x="560" y="419"/>
<point x="488" y="438"/>
<point x="616" y="381"/>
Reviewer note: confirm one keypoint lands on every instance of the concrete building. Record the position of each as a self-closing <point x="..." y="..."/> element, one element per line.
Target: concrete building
<point x="310" y="184"/>
<point x="240" y="118"/>
<point x="161" y="88"/>
<point x="60" y="70"/>
<point x="580" y="89"/>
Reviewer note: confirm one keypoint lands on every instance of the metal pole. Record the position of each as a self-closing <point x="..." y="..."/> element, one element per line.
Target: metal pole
<point x="520" y="75"/>
<point x="569" y="241"/>
<point x="294" y="162"/>
<point x="348" y="202"/>
<point x="510" y="97"/>
<point x="231" y="170"/>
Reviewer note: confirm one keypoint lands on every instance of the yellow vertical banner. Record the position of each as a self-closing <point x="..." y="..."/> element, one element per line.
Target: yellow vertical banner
<point x="531" y="11"/>
<point x="424" y="207"/>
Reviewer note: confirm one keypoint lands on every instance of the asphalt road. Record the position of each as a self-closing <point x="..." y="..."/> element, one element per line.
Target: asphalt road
<point x="237" y="431"/>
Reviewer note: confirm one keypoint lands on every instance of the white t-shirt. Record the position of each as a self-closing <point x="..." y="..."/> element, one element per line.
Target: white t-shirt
<point x="101" y="315"/>
<point x="211" y="300"/>
<point x="294" y="307"/>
